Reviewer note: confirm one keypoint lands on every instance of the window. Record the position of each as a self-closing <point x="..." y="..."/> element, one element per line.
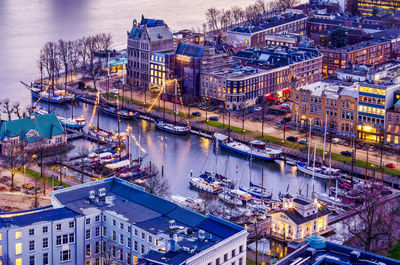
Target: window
<point x="18" y="248"/>
<point x="97" y="218"/>
<point x="65" y="239"/>
<point x="141" y="249"/>
<point x="143" y="236"/>
<point x="226" y="257"/>
<point x="65" y="255"/>
<point x="45" y="229"/>
<point x="114" y="236"/>
<point x="136" y="246"/>
<point x="31" y="232"/>
<point x="31" y="260"/>
<point x="129" y="229"/>
<point x="136" y="232"/>
<point x="97" y="247"/>
<point x="45" y="258"/>
<point x="114" y="222"/>
<point x="113" y="251"/>
<point x="150" y="239"/>
<point x="104" y="231"/>
<point x="121" y="239"/>
<point x="58" y="227"/>
<point x="31" y="245"/>
<point x="233" y="253"/>
<point x="121" y="254"/>
<point x="45" y="242"/>
<point x="97" y="231"/>
<point x="241" y="261"/>
<point x="88" y="221"/>
<point x="104" y="218"/>
<point x="87" y="250"/>
<point x="87" y="234"/>
<point x="71" y="238"/>
<point x="241" y="249"/>
<point x="217" y="262"/>
<point x="71" y="224"/>
<point x="58" y="240"/>
<point x="129" y="242"/>
<point x="18" y="235"/>
<point x="18" y="261"/>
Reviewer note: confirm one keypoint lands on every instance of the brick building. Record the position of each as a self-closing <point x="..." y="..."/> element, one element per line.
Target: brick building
<point x="371" y="52"/>
<point x="145" y="38"/>
<point x="323" y="101"/>
<point x="392" y="127"/>
<point x="254" y="35"/>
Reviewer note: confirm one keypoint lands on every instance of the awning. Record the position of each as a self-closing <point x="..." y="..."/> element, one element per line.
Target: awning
<point x="272" y="98"/>
<point x="286" y="91"/>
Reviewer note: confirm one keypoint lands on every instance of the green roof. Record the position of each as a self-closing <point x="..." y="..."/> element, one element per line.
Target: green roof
<point x="40" y="126"/>
<point x="397" y="103"/>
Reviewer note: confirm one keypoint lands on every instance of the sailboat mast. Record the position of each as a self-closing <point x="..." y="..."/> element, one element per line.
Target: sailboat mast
<point x="330" y="173"/>
<point x="250" y="162"/>
<point x="98" y="108"/>
<point x="313" y="175"/>
<point x="72" y="108"/>
<point x="326" y="125"/>
<point x="140" y="147"/>
<point x="309" y="144"/>
<point x="216" y="157"/>
<point x="176" y="82"/>
<point x="262" y="185"/>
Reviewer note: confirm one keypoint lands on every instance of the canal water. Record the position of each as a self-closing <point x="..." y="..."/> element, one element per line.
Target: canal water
<point x="25" y="25"/>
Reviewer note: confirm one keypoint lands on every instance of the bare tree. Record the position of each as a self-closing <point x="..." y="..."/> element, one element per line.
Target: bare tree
<point x="213" y="16"/>
<point x="18" y="111"/>
<point x="374" y="221"/>
<point x="284" y="4"/>
<point x="46" y="57"/>
<point x="12" y="158"/>
<point x="225" y="18"/>
<point x="61" y="151"/>
<point x="73" y="55"/>
<point x="236" y="14"/>
<point x="105" y="41"/>
<point x="252" y="13"/>
<point x="40" y="151"/>
<point x="7" y="108"/>
<point x="261" y="6"/>
<point x="95" y="68"/>
<point x="156" y="183"/>
<point x="107" y="251"/>
<point x="63" y="51"/>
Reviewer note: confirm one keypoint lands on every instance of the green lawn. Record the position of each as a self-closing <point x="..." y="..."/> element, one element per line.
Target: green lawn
<point x="395" y="252"/>
<point x="222" y="126"/>
<point x="250" y="262"/>
<point x="36" y="175"/>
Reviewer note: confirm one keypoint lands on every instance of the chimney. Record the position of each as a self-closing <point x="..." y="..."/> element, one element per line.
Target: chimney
<point x="174" y="246"/>
<point x="171" y="224"/>
<point x="92" y="195"/>
<point x="202" y="235"/>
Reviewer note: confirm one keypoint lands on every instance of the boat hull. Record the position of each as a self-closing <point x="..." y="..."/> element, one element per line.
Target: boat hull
<point x="114" y="114"/>
<point x="254" y="155"/>
<point x="267" y="196"/>
<point x="316" y="174"/>
<point x="170" y="130"/>
<point x="49" y="100"/>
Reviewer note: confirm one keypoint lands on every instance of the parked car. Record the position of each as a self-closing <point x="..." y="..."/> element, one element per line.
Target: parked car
<point x="213" y="118"/>
<point x="346" y="153"/>
<point x="390" y="165"/>
<point x="287" y="128"/>
<point x="196" y="114"/>
<point x="114" y="91"/>
<point x="251" y="110"/>
<point x="335" y="140"/>
<point x="303" y="142"/>
<point x="346" y="143"/>
<point x="58" y="187"/>
<point x="257" y="108"/>
<point x="292" y="139"/>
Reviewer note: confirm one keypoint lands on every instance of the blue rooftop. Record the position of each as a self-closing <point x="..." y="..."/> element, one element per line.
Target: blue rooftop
<point x="26" y="218"/>
<point x="190" y="50"/>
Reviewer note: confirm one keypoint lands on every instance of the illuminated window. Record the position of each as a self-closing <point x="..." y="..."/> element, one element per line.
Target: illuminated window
<point x="320" y="223"/>
<point x="0" y="236"/>
<point x="18" y="235"/>
<point x="18" y="261"/>
<point x="18" y="248"/>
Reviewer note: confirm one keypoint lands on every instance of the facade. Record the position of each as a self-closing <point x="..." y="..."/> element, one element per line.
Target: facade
<point x="299" y="218"/>
<point x="144" y="39"/>
<point x="323" y="102"/>
<point x="254" y="35"/>
<point x="317" y="250"/>
<point x="371" y="52"/>
<point x="44" y="129"/>
<point x="117" y="222"/>
<point x="287" y="66"/>
<point x="376" y="96"/>
<point x="392" y="127"/>
<point x="236" y="88"/>
<point x="188" y="37"/>
<point x="290" y="40"/>
<point x="159" y="63"/>
<point x="377" y="7"/>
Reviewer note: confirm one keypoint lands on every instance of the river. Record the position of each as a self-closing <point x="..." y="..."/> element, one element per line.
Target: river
<point x="25" y="25"/>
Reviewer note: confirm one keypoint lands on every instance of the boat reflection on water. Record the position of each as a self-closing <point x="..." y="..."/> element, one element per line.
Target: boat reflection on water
<point x="270" y="248"/>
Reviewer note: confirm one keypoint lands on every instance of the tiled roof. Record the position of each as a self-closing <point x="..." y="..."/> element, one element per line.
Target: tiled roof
<point x="159" y="33"/>
<point x="151" y="22"/>
<point x="266" y="24"/>
<point x="296" y="217"/>
<point x="190" y="50"/>
<point x="46" y="125"/>
<point x="37" y="215"/>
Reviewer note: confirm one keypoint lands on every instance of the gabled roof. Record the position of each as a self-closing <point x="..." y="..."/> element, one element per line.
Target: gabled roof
<point x="32" y="129"/>
<point x="298" y="219"/>
<point x="190" y="50"/>
<point x="159" y="33"/>
<point x="151" y="22"/>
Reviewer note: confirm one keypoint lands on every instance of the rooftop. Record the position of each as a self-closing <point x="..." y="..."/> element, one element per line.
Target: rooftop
<point x="33" y="128"/>
<point x="267" y="23"/>
<point x="331" y="253"/>
<point x="330" y="90"/>
<point x="238" y="72"/>
<point x="190" y="50"/>
<point x="277" y="56"/>
<point x="153" y="214"/>
<point x="353" y="47"/>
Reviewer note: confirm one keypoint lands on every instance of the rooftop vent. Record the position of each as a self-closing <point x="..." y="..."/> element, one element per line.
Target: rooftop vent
<point x="310" y="252"/>
<point x="171" y="224"/>
<point x="354" y="256"/>
<point x="174" y="243"/>
<point x="92" y="195"/>
<point x="202" y="235"/>
<point x="102" y="192"/>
